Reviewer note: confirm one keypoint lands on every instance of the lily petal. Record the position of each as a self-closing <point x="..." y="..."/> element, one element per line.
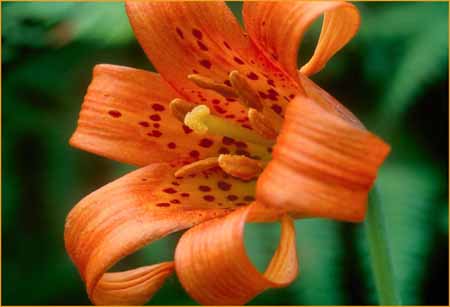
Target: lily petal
<point x="125" y="116"/>
<point x="322" y="166"/>
<point x="213" y="267"/>
<point x="278" y="27"/>
<point x="205" y="38"/>
<point x="141" y="207"/>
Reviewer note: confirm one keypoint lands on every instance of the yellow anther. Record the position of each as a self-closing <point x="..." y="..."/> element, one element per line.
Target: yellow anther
<point x="241" y="167"/>
<point x="261" y="124"/>
<point x="180" y="108"/>
<point x="197" y="167"/>
<point x="247" y="95"/>
<point x="201" y="121"/>
<point x="196" y="119"/>
<point x="210" y="84"/>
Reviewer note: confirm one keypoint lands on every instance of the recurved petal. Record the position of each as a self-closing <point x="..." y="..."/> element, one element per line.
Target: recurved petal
<point x="213" y="267"/>
<point x="322" y="165"/>
<point x="184" y="38"/>
<point x="141" y="207"/>
<point x="133" y="287"/>
<point x="125" y="116"/>
<point x="279" y="27"/>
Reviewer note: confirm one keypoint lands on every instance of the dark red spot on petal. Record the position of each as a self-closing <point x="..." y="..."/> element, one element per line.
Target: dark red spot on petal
<point x="194" y="154"/>
<point x="226" y="45"/>
<point x="156" y="125"/>
<point x="170" y="190"/>
<point x="209" y="198"/>
<point x="179" y="32"/>
<point x="155" y="117"/>
<point x="230" y="99"/>
<point x="227" y="140"/>
<point x="219" y="109"/>
<point x="205" y="63"/>
<point x="175" y="183"/>
<point x="172" y="145"/>
<point x="252" y="76"/>
<point x="197" y="33"/>
<point x="186" y="129"/>
<point x="204" y="188"/>
<point x="115" y="113"/>
<point x="163" y="204"/>
<point x="144" y="124"/>
<point x="158" y="107"/>
<point x="291" y="96"/>
<point x="276" y="108"/>
<point x="205" y="143"/>
<point x="232" y="197"/>
<point x="184" y="194"/>
<point x="175" y="201"/>
<point x="262" y="95"/>
<point x="241" y="204"/>
<point x="156" y="133"/>
<point x="224" y="185"/>
<point x="215" y="101"/>
<point x="238" y="60"/>
<point x="202" y="46"/>
<point x="270" y="82"/>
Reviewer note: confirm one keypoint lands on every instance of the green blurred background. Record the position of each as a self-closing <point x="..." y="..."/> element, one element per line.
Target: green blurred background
<point x="393" y="75"/>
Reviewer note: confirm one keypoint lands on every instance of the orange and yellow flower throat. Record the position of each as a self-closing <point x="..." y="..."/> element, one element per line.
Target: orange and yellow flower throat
<point x="238" y="119"/>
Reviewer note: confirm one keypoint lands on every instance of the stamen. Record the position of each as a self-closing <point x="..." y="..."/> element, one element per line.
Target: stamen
<point x="180" y="108"/>
<point x="201" y="121"/>
<point x="197" y="167"/>
<point x="261" y="124"/>
<point x="241" y="167"/>
<point x="247" y="95"/>
<point x="210" y="84"/>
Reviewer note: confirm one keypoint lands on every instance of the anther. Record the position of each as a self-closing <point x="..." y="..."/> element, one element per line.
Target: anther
<point x="247" y="95"/>
<point x="241" y="167"/>
<point x="261" y="124"/>
<point x="180" y="108"/>
<point x="197" y="167"/>
<point x="210" y="84"/>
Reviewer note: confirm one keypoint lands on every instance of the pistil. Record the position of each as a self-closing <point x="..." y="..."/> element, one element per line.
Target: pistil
<point x="202" y="121"/>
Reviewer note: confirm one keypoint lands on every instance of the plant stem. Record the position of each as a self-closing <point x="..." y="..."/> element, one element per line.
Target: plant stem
<point x="379" y="252"/>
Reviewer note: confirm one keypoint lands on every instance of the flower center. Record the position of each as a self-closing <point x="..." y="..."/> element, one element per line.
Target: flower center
<point x="265" y="124"/>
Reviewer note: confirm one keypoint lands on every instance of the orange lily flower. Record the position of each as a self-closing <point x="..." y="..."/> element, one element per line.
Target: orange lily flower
<point x="228" y="132"/>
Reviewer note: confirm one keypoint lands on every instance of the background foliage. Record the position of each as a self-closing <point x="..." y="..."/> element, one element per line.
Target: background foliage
<point x="393" y="75"/>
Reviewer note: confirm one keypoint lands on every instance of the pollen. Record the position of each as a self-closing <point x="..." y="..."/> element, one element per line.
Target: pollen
<point x="241" y="167"/>
<point x="197" y="167"/>
<point x="247" y="95"/>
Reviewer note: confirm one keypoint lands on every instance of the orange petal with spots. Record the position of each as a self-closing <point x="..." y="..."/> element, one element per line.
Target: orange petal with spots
<point x="184" y="38"/>
<point x="213" y="266"/>
<point x="279" y="27"/>
<point x="125" y="116"/>
<point x="322" y="166"/>
<point x="135" y="210"/>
